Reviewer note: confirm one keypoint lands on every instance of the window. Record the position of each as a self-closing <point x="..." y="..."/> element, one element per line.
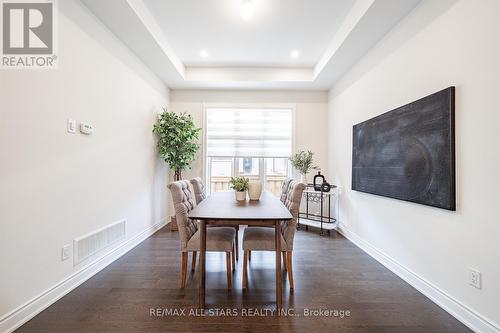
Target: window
<point x="254" y="143"/>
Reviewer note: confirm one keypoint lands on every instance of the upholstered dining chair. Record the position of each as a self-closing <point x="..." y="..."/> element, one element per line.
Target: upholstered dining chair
<point x="284" y="190"/>
<point x="218" y="239"/>
<point x="199" y="189"/>
<point x="200" y="195"/>
<point x="262" y="238"/>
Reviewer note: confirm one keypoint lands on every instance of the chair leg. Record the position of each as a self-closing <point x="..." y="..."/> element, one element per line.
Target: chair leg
<point x="184" y="260"/>
<point x="193" y="262"/>
<point x="245" y="264"/>
<point x="290" y="270"/>
<point x="284" y="259"/>
<point x="249" y="255"/>
<point x="236" y="241"/>
<point x="233" y="257"/>
<point x="228" y="270"/>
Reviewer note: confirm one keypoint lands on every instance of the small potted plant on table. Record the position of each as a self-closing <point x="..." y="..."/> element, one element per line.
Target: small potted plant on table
<point x="240" y="186"/>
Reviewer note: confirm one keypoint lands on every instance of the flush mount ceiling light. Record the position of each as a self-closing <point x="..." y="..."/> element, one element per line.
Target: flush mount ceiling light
<point x="247" y="10"/>
<point x="203" y="53"/>
<point x="294" y="54"/>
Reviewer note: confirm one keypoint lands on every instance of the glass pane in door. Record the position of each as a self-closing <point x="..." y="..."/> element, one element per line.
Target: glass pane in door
<point x="276" y="172"/>
<point x="221" y="170"/>
<point x="249" y="168"/>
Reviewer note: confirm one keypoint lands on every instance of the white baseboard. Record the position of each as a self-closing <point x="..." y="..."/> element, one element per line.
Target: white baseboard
<point x="14" y="319"/>
<point x="468" y="317"/>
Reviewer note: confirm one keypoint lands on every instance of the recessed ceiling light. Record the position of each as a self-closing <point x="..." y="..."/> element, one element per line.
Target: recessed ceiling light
<point x="203" y="53"/>
<point x="294" y="54"/>
<point x="247" y="10"/>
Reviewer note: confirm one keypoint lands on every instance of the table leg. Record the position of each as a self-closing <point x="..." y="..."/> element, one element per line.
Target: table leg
<point x="321" y="203"/>
<point x="307" y="209"/>
<point x="307" y="205"/>
<point x="329" y="212"/>
<point x="277" y="241"/>
<point x="203" y="248"/>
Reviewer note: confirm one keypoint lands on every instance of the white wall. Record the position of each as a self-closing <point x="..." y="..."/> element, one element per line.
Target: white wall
<point x="441" y="43"/>
<point x="57" y="186"/>
<point x="310" y="115"/>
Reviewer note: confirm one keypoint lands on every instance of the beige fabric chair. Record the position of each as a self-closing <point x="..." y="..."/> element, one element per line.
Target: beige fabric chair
<point x="199" y="193"/>
<point x="218" y="239"/>
<point x="262" y="239"/>
<point x="199" y="189"/>
<point x="284" y="190"/>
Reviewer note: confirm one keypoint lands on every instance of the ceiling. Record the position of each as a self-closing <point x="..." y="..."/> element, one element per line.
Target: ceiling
<point x="286" y="44"/>
<point x="277" y="28"/>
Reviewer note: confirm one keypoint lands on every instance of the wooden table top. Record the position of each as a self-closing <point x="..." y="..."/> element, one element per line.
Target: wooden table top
<point x="223" y="206"/>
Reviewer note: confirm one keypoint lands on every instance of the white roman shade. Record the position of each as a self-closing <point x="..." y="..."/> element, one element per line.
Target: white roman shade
<point x="248" y="132"/>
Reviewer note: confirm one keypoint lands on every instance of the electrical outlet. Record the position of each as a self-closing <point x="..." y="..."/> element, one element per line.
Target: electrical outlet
<point x="475" y="278"/>
<point x="65" y="252"/>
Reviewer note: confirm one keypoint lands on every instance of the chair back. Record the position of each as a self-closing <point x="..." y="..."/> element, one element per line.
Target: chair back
<point x="284" y="189"/>
<point x="199" y="189"/>
<point x="292" y="198"/>
<point x="184" y="202"/>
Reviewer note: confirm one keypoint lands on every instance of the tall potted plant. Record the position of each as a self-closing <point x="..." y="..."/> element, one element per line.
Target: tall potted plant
<point x="176" y="144"/>
<point x="302" y="161"/>
<point x="177" y="137"/>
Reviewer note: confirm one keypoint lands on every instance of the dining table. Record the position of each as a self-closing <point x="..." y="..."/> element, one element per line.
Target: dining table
<point x="222" y="208"/>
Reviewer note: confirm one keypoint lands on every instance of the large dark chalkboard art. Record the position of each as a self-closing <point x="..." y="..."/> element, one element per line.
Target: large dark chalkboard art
<point x="409" y="153"/>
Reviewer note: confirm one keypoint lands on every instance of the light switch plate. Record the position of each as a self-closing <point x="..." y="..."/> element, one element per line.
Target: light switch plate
<point x="71" y="126"/>
<point x="65" y="252"/>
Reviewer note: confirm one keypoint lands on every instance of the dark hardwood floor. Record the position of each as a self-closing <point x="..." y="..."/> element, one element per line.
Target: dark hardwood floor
<point x="330" y="273"/>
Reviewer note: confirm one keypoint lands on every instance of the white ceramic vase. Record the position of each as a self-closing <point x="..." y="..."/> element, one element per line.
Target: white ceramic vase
<point x="303" y="179"/>
<point x="240" y="195"/>
<point x="254" y="190"/>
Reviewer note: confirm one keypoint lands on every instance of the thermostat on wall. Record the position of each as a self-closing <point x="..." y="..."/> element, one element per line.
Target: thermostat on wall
<point x="86" y="128"/>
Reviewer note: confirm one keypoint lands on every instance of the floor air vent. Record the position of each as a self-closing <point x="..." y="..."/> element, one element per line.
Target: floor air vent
<point x="92" y="243"/>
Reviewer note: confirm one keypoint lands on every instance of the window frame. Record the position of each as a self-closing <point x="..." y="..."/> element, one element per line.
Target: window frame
<point x="235" y="170"/>
<point x="206" y="167"/>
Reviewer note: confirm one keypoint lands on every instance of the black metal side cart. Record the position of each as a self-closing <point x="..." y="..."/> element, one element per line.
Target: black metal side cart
<point x="325" y="203"/>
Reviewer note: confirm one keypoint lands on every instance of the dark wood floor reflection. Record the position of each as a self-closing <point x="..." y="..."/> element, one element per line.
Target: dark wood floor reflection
<point x="330" y="273"/>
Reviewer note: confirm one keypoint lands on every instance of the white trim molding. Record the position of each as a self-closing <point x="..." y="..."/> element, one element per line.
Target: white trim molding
<point x="366" y="23"/>
<point x="460" y="311"/>
<point x="19" y="316"/>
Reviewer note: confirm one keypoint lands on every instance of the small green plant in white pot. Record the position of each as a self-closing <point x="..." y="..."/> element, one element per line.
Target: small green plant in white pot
<point x="302" y="161"/>
<point x="240" y="186"/>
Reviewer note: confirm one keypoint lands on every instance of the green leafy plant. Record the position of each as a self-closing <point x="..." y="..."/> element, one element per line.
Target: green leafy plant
<point x="303" y="161"/>
<point x="176" y="140"/>
<point x="239" y="183"/>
